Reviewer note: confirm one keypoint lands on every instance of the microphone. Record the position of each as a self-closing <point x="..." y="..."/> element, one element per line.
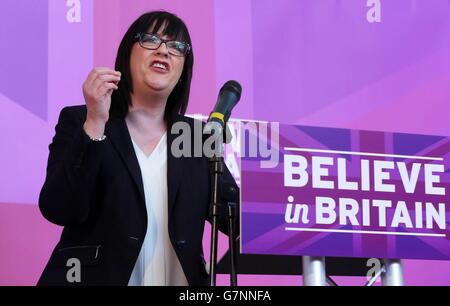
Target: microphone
<point x="229" y="96"/>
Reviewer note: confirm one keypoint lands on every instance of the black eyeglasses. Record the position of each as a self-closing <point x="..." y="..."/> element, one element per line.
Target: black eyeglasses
<point x="153" y="42"/>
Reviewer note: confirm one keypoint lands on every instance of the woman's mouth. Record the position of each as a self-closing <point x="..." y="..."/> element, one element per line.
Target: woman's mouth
<point x="160" y="66"/>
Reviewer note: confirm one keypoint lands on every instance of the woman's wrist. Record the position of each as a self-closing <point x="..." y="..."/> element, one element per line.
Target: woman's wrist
<point x="94" y="129"/>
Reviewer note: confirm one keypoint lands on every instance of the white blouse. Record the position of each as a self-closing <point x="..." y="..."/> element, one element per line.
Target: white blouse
<point x="157" y="264"/>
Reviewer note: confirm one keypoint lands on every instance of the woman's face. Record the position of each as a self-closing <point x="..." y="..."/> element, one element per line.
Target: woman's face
<point x="155" y="71"/>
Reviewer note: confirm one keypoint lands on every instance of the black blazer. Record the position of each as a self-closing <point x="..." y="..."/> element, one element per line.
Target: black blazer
<point x="95" y="190"/>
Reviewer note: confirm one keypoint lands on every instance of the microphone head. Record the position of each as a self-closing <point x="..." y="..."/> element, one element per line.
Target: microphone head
<point x="233" y="87"/>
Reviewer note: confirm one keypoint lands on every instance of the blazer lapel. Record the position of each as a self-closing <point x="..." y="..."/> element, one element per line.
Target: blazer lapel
<point x="174" y="172"/>
<point x="118" y="133"/>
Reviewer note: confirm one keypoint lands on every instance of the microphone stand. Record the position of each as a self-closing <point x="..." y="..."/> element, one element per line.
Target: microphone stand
<point x="231" y="240"/>
<point x="216" y="166"/>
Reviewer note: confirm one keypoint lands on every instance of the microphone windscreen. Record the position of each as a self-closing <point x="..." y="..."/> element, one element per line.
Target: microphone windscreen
<point x="234" y="87"/>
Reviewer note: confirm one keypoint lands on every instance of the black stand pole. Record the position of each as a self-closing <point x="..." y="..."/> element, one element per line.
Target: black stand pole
<point x="232" y="242"/>
<point x="216" y="172"/>
<point x="229" y="195"/>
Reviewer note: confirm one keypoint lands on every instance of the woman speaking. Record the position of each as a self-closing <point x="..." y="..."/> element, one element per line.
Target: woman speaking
<point x="133" y="214"/>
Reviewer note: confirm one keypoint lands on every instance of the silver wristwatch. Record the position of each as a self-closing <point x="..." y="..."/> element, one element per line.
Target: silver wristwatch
<point x="101" y="138"/>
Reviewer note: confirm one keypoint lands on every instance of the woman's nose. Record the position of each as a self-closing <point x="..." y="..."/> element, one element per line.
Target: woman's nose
<point x="163" y="50"/>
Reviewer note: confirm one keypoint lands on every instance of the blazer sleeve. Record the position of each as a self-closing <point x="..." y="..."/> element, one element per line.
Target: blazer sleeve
<point x="72" y="168"/>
